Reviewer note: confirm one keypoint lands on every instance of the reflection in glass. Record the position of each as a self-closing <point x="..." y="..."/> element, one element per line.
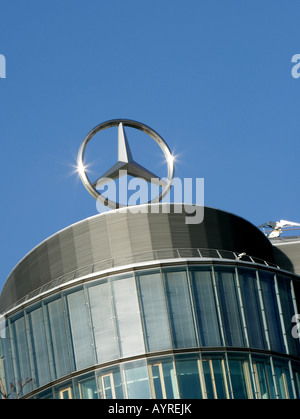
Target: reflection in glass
<point x="80" y="331"/>
<point x="180" y="310"/>
<point x="128" y="316"/>
<point x="158" y="382"/>
<point x="162" y="377"/>
<point x="205" y="307"/>
<point x="240" y="378"/>
<point x="110" y="383"/>
<point x="85" y="387"/>
<point x="108" y="386"/>
<point x="39" y="346"/>
<point x="21" y="356"/>
<point x="252" y="309"/>
<point x="271" y="311"/>
<point x="188" y="377"/>
<point x="230" y="309"/>
<point x="263" y="378"/>
<point x="154" y="311"/>
<point x="283" y="379"/>
<point x="137" y="381"/>
<point x="103" y="322"/>
<point x="296" y="374"/>
<point x="215" y="377"/>
<point x="64" y="391"/>
<point x="287" y="313"/>
<point x="58" y="333"/>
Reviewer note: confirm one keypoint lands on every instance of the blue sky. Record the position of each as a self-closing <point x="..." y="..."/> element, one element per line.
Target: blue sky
<point x="212" y="77"/>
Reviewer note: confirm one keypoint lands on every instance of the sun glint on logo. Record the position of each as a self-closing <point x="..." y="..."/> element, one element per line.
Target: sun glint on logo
<point x="127" y="166"/>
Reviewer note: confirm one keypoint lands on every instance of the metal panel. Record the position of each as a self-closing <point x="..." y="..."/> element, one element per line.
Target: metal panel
<point x="82" y="245"/>
<point x="121" y="236"/>
<point x="140" y="238"/>
<point x="179" y="229"/>
<point x="160" y="231"/>
<point x="67" y="248"/>
<point x="100" y="246"/>
<point x="52" y="246"/>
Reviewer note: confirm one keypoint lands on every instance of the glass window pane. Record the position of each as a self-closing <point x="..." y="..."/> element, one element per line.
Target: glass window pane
<point x="85" y="387"/>
<point x="214" y="376"/>
<point x="152" y="296"/>
<point x="296" y="374"/>
<point x="60" y="345"/>
<point x="6" y="362"/>
<point x="271" y="311"/>
<point x="288" y="312"/>
<point x="230" y="308"/>
<point x="209" y="384"/>
<point x="170" y="380"/>
<point x="128" y="316"/>
<point x="103" y="323"/>
<point x="64" y="391"/>
<point x="240" y="378"/>
<point x="108" y="387"/>
<point x="80" y="336"/>
<point x="157" y="382"/>
<point x="187" y="371"/>
<point x="110" y="383"/>
<point x="180" y="310"/>
<point x="137" y="380"/>
<point x="39" y="346"/>
<point x="162" y="374"/>
<point x="218" y="369"/>
<point x="283" y="379"/>
<point x="21" y="355"/>
<point x="205" y="307"/>
<point x="263" y="378"/>
<point x="252" y="309"/>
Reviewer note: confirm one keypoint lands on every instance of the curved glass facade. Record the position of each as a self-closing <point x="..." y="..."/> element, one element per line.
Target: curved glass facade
<point x="197" y="375"/>
<point x="196" y="331"/>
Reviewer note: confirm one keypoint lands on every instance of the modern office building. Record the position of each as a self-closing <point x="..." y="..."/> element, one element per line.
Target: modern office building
<point x="124" y="305"/>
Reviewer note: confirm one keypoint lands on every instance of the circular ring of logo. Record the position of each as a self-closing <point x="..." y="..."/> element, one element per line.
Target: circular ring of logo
<point x="132" y="124"/>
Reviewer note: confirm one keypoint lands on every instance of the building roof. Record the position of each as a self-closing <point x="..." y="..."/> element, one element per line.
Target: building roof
<point x="287" y="252"/>
<point x="119" y="234"/>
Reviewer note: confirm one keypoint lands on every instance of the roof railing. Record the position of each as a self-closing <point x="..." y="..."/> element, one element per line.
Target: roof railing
<point x="152" y="255"/>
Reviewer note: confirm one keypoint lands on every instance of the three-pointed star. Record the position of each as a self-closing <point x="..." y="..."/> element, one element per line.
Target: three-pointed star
<point x="126" y="165"/>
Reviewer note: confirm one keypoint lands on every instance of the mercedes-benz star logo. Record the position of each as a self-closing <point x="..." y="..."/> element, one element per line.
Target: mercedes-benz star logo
<point x="125" y="163"/>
